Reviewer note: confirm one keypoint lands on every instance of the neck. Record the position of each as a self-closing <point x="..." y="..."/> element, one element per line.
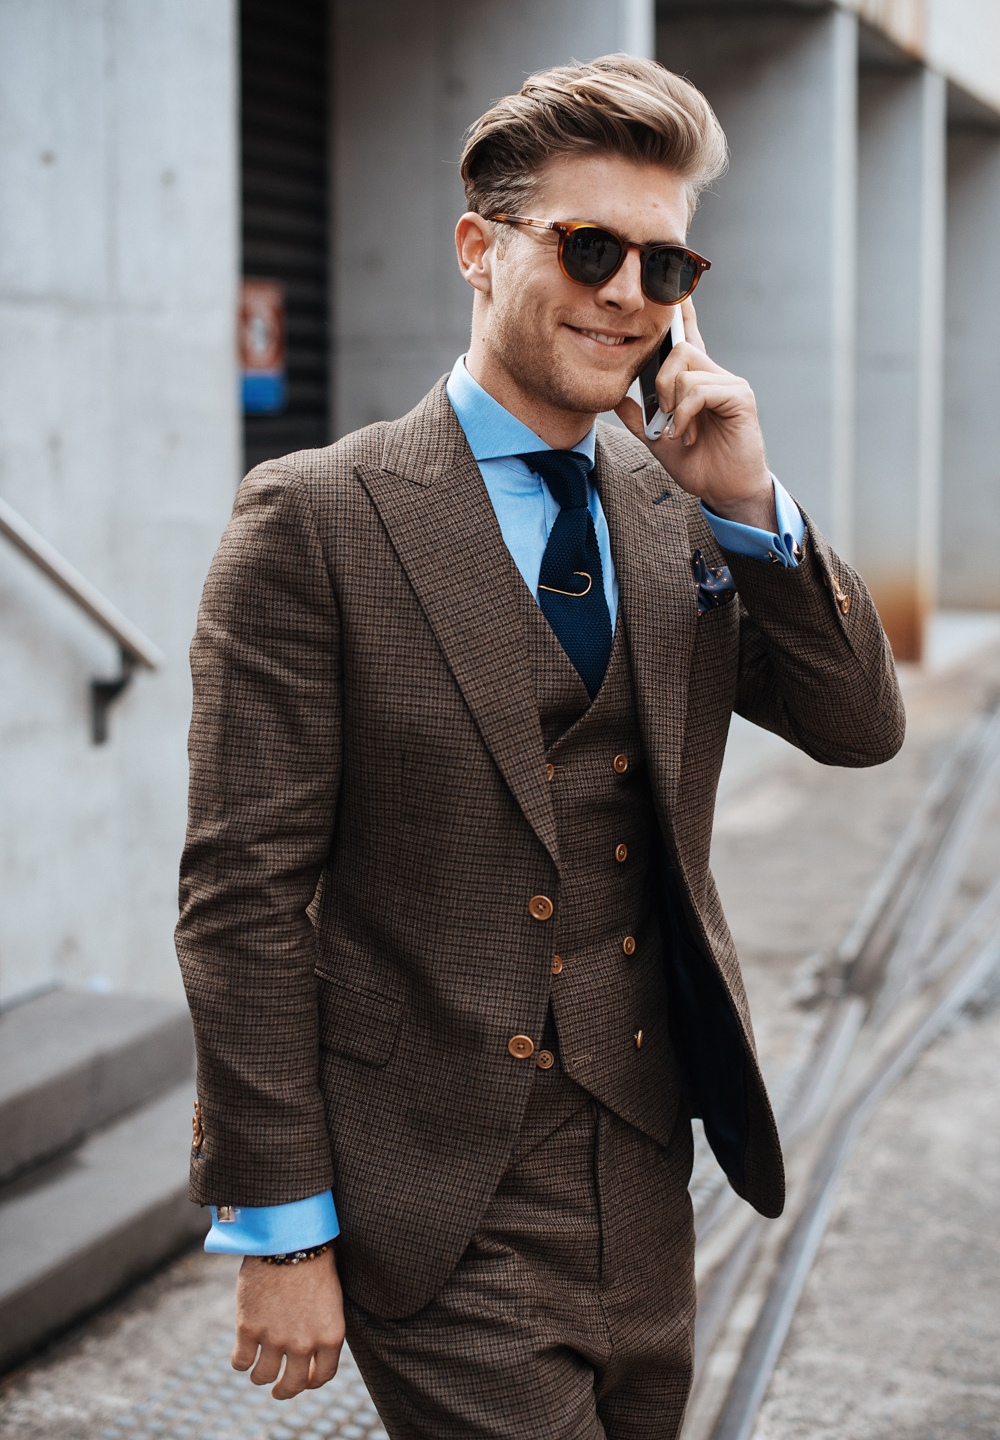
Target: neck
<point x="562" y="429"/>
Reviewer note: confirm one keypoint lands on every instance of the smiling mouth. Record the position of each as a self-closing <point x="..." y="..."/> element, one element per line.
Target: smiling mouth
<point x="603" y="338"/>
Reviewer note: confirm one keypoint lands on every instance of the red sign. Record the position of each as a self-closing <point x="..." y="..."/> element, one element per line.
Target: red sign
<point x="262" y="347"/>
<point x="262" y="326"/>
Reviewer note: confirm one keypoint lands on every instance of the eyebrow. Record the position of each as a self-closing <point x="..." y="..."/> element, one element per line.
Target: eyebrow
<point x="603" y="225"/>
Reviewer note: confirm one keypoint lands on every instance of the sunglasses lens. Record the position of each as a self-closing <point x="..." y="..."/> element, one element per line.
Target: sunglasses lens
<point x="669" y="275"/>
<point x="590" y="256"/>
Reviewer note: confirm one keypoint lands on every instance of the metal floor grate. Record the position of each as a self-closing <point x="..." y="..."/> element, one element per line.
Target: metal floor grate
<point x="207" y="1400"/>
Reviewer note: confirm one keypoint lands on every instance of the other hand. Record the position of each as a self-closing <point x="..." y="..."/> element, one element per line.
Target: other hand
<point x="714" y="448"/>
<point x="290" y="1313"/>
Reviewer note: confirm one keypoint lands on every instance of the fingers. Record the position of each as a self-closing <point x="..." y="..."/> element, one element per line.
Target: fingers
<point x="303" y="1371"/>
<point x="295" y="1378"/>
<point x="686" y="437"/>
<point x="324" y="1365"/>
<point x="245" y="1350"/>
<point x="268" y="1365"/>
<point x="630" y="414"/>
<point x="726" y="396"/>
<point x="691" y="330"/>
<point x="683" y="361"/>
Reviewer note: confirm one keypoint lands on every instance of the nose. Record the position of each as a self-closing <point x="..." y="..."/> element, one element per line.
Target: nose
<point x="624" y="290"/>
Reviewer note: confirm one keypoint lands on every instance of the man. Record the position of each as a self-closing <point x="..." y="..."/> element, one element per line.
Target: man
<point x="462" y="689"/>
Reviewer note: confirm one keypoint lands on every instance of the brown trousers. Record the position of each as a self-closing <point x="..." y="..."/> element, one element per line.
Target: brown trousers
<point x="571" y="1314"/>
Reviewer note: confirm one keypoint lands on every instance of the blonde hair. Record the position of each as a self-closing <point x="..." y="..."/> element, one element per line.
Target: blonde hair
<point x="618" y="105"/>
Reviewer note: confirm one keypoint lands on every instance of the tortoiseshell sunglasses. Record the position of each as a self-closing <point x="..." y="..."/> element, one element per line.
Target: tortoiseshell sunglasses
<point x="589" y="255"/>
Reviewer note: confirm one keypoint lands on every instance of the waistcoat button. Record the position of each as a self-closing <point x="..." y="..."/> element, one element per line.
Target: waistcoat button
<point x="521" y="1046"/>
<point x="540" y="907"/>
<point x="628" y="944"/>
<point x="545" y="1059"/>
<point x="621" y="853"/>
<point x="550" y="770"/>
<point x="557" y="964"/>
<point x="620" y="763"/>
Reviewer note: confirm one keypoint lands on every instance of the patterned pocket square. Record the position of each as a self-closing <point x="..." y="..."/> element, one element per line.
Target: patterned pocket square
<point x="715" y="587"/>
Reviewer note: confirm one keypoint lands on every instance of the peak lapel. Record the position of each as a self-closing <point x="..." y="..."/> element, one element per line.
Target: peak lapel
<point x="649" y="542"/>
<point x="435" y="507"/>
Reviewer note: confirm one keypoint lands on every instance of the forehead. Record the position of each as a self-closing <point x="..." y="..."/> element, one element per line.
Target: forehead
<point x="643" y="202"/>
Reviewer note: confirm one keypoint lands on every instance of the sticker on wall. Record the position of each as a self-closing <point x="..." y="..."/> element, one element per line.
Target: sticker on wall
<point x="262" y="346"/>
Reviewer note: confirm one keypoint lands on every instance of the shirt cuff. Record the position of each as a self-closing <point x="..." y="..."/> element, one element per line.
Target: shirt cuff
<point x="783" y="548"/>
<point x="274" y="1229"/>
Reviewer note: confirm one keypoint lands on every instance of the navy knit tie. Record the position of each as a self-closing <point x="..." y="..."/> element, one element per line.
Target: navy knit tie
<point x="571" y="582"/>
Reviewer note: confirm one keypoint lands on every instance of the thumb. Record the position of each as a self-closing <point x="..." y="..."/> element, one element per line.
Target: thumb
<point x="630" y="415"/>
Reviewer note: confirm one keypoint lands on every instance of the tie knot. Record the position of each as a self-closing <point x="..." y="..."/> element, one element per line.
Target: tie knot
<point x="565" y="473"/>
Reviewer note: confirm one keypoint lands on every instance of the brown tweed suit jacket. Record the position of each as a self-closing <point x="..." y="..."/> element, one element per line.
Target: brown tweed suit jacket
<point x="369" y="817"/>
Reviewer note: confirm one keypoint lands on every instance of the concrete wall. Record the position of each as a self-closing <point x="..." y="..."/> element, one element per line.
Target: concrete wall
<point x="409" y="79"/>
<point x="958" y="38"/>
<point x="900" y="372"/>
<point x="119" y="429"/>
<point x="119" y="442"/>
<point x="778" y="306"/>
<point x="970" y="512"/>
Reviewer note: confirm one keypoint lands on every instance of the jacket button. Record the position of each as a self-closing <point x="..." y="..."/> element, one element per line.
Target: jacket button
<point x="628" y="944"/>
<point x="521" y="1046"/>
<point x="540" y="907"/>
<point x="557" y="964"/>
<point x="550" y="770"/>
<point x="621" y="853"/>
<point x="620" y="763"/>
<point x="545" y="1059"/>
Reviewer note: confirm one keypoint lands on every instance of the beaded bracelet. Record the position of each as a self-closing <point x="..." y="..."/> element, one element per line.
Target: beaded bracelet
<point x="295" y="1256"/>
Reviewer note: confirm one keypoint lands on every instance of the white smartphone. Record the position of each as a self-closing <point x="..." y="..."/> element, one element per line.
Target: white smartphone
<point x="643" y="388"/>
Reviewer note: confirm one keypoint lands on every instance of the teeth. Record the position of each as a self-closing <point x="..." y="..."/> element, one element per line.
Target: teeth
<point x="604" y="339"/>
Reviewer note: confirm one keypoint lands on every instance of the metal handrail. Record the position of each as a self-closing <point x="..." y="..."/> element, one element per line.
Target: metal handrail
<point x="136" y="648"/>
<point x="47" y="559"/>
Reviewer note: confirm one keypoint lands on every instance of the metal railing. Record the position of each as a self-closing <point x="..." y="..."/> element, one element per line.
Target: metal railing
<point x="137" y="650"/>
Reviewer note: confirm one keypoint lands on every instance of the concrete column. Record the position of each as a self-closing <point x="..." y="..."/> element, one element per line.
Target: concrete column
<point x="410" y="75"/>
<point x="900" y="351"/>
<point x="970" y="508"/>
<point x="778" y="305"/>
<point x="119" y="442"/>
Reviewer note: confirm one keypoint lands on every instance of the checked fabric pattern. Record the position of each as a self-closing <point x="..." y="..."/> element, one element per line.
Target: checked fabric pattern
<point x="370" y="808"/>
<point x="571" y="581"/>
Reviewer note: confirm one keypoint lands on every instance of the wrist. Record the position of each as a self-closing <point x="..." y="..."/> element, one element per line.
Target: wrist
<point x="757" y="510"/>
<point x="297" y="1257"/>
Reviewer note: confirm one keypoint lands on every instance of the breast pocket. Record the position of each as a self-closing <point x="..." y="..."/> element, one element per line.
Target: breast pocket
<point x="357" y="1024"/>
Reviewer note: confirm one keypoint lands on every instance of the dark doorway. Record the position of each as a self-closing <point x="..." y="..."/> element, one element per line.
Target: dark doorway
<point x="285" y="85"/>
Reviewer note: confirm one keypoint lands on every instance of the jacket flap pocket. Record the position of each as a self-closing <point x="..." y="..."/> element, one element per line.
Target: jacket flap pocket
<point x="357" y="1023"/>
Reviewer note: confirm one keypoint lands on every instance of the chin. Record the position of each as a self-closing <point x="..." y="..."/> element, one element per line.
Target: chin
<point x="601" y="393"/>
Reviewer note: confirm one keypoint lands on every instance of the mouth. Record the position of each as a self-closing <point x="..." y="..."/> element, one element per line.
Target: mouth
<point x="605" y="338"/>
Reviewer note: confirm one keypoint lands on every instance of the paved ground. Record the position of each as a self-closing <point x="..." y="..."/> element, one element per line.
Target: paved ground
<point x="155" y="1366"/>
<point x="897" y="1334"/>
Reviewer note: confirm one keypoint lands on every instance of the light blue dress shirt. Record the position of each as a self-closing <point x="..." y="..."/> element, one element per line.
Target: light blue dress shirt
<point x="526" y="512"/>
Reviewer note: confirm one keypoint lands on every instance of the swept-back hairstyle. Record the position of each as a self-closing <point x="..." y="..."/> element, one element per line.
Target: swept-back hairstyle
<point x="618" y="105"/>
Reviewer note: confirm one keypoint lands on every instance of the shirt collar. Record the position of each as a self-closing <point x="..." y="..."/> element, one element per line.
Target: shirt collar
<point x="493" y="432"/>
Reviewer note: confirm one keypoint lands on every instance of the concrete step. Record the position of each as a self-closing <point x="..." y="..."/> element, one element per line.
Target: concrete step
<point x="71" y="1061"/>
<point x="75" y="1231"/>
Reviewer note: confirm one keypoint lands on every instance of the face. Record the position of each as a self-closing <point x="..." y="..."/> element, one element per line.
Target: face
<point x="574" y="347"/>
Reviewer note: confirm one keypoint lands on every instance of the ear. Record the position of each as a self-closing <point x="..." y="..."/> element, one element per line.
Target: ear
<point x="474" y="245"/>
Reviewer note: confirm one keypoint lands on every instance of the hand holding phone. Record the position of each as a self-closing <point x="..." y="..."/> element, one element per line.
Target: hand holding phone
<point x="643" y="388"/>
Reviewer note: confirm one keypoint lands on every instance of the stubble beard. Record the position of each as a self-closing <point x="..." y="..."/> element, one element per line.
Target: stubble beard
<point x="539" y="371"/>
